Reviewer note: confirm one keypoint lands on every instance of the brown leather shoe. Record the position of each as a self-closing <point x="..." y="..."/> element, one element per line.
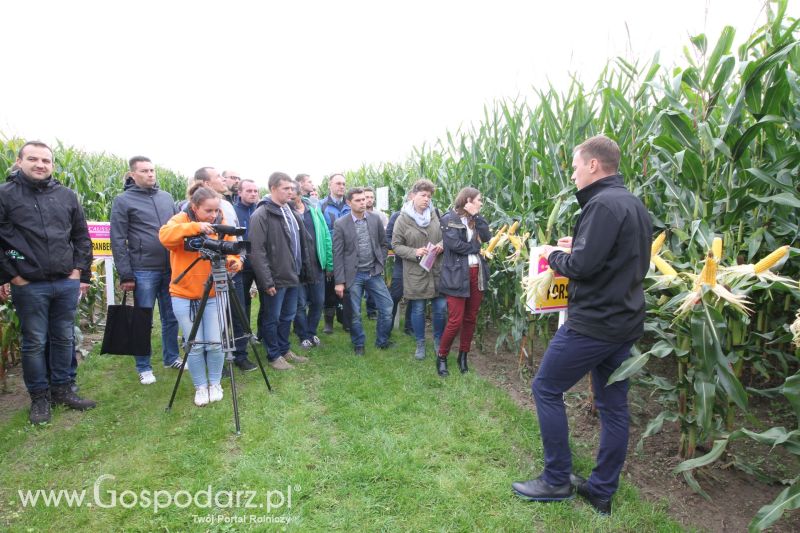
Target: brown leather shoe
<point x="294" y="358"/>
<point x="280" y="364"/>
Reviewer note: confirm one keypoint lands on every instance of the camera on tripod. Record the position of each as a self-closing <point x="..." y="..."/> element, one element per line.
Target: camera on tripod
<point x="204" y="244"/>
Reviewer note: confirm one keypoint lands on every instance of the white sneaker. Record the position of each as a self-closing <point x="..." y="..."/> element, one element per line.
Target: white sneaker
<point x="201" y="396"/>
<point x="214" y="392"/>
<point x="306" y="344"/>
<point x="316" y="341"/>
<point x="147" y="377"/>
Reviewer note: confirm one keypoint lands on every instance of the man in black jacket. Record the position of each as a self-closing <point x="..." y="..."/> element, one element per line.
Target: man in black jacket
<point x="610" y="255"/>
<point x="142" y="262"/>
<point x="46" y="254"/>
<point x="279" y="256"/>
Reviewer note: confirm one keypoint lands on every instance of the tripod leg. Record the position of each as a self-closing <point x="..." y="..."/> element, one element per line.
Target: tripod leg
<point x="190" y="341"/>
<point x="234" y="398"/>
<point x="245" y="321"/>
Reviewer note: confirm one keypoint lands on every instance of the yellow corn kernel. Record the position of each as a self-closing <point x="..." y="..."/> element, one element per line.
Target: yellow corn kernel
<point x="769" y="261"/>
<point x="716" y="248"/>
<point x="658" y="242"/>
<point x="494" y="240"/>
<point x="709" y="274"/>
<point x="663" y="267"/>
<point x="513" y="228"/>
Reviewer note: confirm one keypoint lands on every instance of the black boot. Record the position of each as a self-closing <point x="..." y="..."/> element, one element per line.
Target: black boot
<point x="441" y="366"/>
<point x="329" y="313"/>
<point x="40" y="407"/>
<point x="63" y="395"/>
<point x="462" y="362"/>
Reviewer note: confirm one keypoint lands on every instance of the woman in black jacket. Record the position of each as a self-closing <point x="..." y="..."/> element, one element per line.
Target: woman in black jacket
<point x="465" y="274"/>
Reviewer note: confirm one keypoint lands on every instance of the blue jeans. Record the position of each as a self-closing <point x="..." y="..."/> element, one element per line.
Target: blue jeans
<point x="151" y="286"/>
<point x="568" y="358"/>
<point x="383" y="301"/>
<point x="276" y="320"/>
<point x="313" y="296"/>
<point x="438" y="314"/>
<point x="204" y="360"/>
<point x="46" y="311"/>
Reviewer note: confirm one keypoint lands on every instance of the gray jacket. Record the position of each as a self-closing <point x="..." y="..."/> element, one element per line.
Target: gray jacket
<point x="136" y="216"/>
<point x="345" y="248"/>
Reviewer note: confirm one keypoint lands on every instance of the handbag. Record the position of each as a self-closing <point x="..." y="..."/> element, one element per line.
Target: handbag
<point x="127" y="329"/>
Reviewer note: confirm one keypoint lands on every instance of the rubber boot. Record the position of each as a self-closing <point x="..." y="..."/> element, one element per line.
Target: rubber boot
<point x="329" y="314"/>
<point x="462" y="362"/>
<point x="40" y="407"/>
<point x="441" y="366"/>
<point x="420" y="353"/>
<point x="63" y="395"/>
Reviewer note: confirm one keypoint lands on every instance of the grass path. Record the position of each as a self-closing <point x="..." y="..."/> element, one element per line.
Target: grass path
<point x="378" y="443"/>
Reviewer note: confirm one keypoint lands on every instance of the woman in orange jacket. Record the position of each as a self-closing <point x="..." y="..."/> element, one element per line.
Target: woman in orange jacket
<point x="204" y="360"/>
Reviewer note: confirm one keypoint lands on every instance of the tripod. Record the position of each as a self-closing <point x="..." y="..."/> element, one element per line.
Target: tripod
<point x="227" y="304"/>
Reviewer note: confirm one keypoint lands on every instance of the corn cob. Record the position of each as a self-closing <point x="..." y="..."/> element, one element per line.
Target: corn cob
<point x="710" y="270"/>
<point x="663" y="266"/>
<point x="769" y="261"/>
<point x="513" y="228"/>
<point x="716" y="248"/>
<point x="658" y="242"/>
<point x="494" y="240"/>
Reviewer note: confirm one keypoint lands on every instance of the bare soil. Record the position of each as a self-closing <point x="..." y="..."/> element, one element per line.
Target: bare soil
<point x="735" y="496"/>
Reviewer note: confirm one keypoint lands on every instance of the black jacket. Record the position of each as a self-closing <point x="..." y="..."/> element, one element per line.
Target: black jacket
<point x="454" y="279"/>
<point x="609" y="260"/>
<point x="270" y="248"/>
<point x="136" y="216"/>
<point x="43" y="232"/>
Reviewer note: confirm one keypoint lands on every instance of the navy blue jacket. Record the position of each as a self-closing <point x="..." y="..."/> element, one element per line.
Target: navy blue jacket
<point x="609" y="260"/>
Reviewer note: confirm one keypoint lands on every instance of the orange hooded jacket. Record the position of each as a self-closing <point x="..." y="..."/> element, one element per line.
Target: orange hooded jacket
<point x="171" y="236"/>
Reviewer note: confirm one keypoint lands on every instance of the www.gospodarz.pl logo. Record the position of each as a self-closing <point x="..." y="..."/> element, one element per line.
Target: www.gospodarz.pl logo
<point x="267" y="501"/>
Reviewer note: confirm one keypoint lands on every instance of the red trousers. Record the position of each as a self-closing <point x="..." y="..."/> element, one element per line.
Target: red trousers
<point x="462" y="314"/>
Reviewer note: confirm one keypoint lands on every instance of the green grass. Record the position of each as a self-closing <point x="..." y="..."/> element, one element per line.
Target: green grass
<point x="378" y="443"/>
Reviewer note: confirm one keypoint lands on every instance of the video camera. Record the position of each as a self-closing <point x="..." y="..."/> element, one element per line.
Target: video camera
<point x="203" y="243"/>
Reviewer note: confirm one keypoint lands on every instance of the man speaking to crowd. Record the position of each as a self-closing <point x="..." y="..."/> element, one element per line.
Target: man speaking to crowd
<point x="609" y="259"/>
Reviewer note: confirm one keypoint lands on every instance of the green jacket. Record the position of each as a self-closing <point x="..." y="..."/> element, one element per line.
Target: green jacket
<point x="324" y="246"/>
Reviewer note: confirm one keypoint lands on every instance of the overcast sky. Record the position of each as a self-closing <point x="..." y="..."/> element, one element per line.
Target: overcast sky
<point x="311" y="86"/>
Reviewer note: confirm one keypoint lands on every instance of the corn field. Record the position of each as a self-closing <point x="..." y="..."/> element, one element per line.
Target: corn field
<point x="712" y="147"/>
<point x="97" y="179"/>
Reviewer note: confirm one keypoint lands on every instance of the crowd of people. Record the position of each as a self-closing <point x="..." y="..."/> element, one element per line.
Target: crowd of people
<point x="314" y="258"/>
<point x="310" y="260"/>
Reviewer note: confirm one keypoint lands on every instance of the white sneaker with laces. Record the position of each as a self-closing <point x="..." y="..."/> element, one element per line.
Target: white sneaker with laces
<point x="307" y="344"/>
<point x="176" y="364"/>
<point x="214" y="392"/>
<point x="316" y="341"/>
<point x="147" y="377"/>
<point x="201" y="396"/>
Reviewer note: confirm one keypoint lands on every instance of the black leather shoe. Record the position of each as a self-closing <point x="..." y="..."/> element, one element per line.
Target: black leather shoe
<point x="245" y="365"/>
<point x="359" y="350"/>
<point x="601" y="505"/>
<point x="441" y="367"/>
<point x="538" y="490"/>
<point x="462" y="362"/>
<point x="386" y="346"/>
